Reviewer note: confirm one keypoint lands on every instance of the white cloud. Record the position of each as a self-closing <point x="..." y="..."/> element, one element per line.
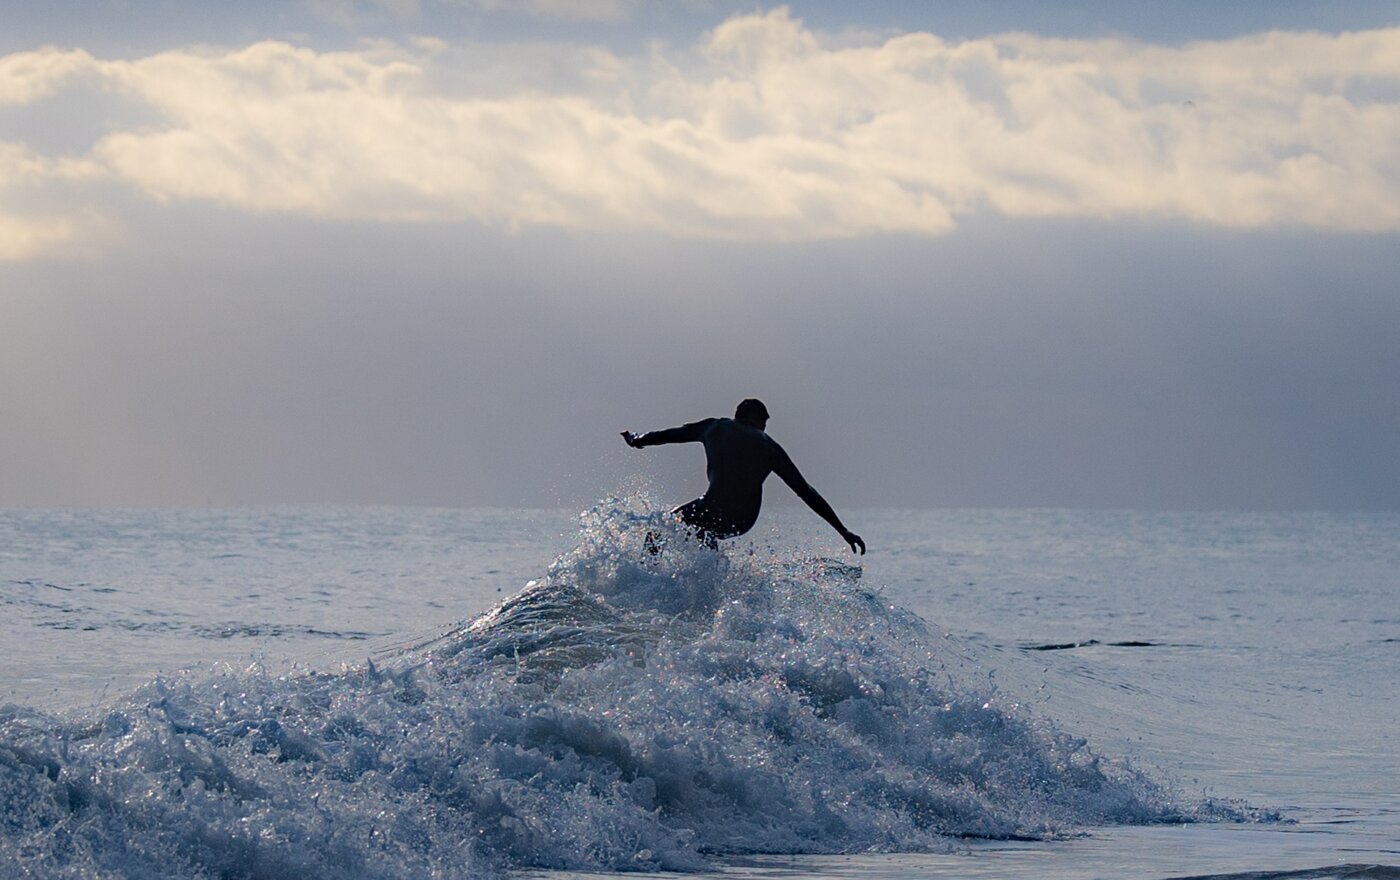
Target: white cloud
<point x="764" y="129"/>
<point x="22" y="238"/>
<point x="30" y="226"/>
<point x="26" y="77"/>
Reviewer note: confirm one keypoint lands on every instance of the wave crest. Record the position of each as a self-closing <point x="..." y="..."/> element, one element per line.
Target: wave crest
<point x="631" y="709"/>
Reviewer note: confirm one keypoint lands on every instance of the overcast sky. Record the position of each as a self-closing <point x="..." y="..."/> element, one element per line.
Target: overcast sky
<point x="1083" y="254"/>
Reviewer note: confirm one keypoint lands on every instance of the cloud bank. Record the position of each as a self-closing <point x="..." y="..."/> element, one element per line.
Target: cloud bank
<point x="764" y="129"/>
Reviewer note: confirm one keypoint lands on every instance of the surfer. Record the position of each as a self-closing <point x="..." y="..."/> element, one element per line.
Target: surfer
<point x="739" y="456"/>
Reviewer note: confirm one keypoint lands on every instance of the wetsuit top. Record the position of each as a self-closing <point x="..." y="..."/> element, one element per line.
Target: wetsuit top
<point x="738" y="458"/>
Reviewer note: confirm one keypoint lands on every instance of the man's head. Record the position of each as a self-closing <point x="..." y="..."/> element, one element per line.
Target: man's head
<point x="752" y="412"/>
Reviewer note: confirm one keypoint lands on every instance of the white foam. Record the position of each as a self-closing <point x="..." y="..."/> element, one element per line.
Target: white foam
<point x="628" y="710"/>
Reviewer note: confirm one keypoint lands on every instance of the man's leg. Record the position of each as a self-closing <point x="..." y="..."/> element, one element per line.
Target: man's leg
<point x="690" y="513"/>
<point x="703" y="521"/>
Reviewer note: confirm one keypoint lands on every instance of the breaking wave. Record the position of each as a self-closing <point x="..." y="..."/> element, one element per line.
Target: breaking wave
<point x="647" y="704"/>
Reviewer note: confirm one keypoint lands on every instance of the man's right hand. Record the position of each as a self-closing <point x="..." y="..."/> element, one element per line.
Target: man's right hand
<point x="857" y="545"/>
<point x="631" y="439"/>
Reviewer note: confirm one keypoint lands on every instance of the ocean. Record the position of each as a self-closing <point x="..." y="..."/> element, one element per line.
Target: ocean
<point x="360" y="692"/>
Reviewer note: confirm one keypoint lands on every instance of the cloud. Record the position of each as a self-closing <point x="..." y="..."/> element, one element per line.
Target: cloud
<point x="30" y="226"/>
<point x="24" y="237"/>
<point x="26" y="77"/>
<point x="764" y="128"/>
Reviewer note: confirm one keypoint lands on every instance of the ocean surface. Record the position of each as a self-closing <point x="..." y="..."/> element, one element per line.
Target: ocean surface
<point x="407" y="693"/>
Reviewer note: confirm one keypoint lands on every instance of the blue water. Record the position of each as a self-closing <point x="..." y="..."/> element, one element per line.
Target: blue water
<point x="347" y="693"/>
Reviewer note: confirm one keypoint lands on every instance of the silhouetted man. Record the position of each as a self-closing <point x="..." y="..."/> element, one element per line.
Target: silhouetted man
<point x="739" y="456"/>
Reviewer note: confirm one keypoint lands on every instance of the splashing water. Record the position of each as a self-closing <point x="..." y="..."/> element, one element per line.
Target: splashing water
<point x="649" y="702"/>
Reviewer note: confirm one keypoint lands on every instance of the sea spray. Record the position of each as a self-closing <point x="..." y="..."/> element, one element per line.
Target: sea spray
<point x="647" y="703"/>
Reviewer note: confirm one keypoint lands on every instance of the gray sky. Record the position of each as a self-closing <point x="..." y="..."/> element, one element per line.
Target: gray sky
<point x="440" y="253"/>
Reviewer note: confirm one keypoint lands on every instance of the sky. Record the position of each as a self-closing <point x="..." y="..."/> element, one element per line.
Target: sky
<point x="440" y="252"/>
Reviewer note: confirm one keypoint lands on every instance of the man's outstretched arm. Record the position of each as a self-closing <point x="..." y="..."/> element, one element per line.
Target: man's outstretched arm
<point x="684" y="434"/>
<point x="784" y="468"/>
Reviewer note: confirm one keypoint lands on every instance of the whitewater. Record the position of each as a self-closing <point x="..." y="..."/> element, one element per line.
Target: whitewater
<point x="357" y="693"/>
